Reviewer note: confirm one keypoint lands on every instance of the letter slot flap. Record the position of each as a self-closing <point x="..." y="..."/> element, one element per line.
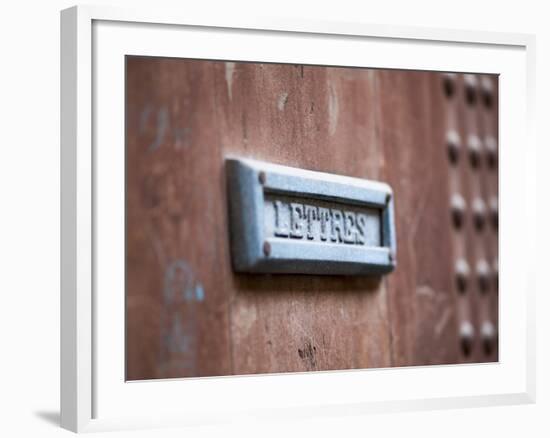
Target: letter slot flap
<point x="295" y="221"/>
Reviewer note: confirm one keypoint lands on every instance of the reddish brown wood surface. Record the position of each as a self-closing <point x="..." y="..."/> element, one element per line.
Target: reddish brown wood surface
<point x="188" y="314"/>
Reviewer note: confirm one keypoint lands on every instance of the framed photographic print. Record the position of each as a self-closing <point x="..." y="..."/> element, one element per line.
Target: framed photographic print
<point x="275" y="218"/>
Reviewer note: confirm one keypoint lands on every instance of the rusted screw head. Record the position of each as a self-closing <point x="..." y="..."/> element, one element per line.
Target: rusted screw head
<point x="471" y="88"/>
<point x="488" y="335"/>
<point x="449" y="84"/>
<point x="267" y="248"/>
<point x="453" y="146"/>
<point x="474" y="148"/>
<point x="466" y="335"/>
<point x="462" y="272"/>
<point x="493" y="208"/>
<point x="495" y="273"/>
<point x="262" y="177"/>
<point x="479" y="212"/>
<point x="487" y="90"/>
<point x="491" y="150"/>
<point x="458" y="207"/>
<point x="483" y="274"/>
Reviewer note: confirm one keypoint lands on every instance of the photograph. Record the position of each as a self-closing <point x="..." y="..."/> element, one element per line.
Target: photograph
<point x="284" y="218"/>
<point x="275" y="219"/>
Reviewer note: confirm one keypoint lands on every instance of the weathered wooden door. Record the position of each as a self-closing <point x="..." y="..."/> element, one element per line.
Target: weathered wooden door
<point x="431" y="136"/>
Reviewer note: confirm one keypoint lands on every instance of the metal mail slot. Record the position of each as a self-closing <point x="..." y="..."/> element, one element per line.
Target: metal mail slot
<point x="295" y="221"/>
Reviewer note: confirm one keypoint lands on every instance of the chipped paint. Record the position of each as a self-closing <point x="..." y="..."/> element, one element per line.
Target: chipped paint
<point x="182" y="296"/>
<point x="181" y="137"/>
<point x="143" y="118"/>
<point x="199" y="292"/>
<point x="333" y="110"/>
<point x="179" y="284"/>
<point x="246" y="317"/>
<point x="178" y="281"/>
<point x="282" y="101"/>
<point x="443" y="321"/>
<point x="425" y="290"/>
<point x="162" y="128"/>
<point x="177" y="340"/>
<point x="229" y="70"/>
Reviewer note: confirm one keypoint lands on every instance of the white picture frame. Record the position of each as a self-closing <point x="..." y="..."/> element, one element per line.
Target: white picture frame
<point x="94" y="41"/>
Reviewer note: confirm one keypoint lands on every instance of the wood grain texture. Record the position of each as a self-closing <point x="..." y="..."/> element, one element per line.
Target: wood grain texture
<point x="188" y="314"/>
<point x="304" y="117"/>
<point x="421" y="296"/>
<point x="177" y="313"/>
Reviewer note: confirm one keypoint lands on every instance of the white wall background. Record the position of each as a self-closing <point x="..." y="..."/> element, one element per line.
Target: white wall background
<point x="29" y="216"/>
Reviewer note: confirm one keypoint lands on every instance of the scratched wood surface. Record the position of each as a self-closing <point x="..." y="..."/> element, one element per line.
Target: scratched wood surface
<point x="188" y="314"/>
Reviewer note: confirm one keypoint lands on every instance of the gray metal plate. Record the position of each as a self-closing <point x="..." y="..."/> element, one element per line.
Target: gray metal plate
<point x="289" y="220"/>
